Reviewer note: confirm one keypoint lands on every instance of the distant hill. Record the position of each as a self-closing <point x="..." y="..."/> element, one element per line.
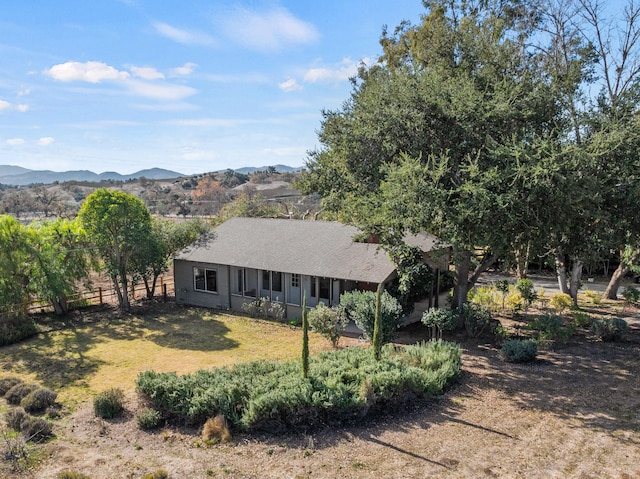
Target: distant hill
<point x="16" y="175"/>
<point x="279" y="168"/>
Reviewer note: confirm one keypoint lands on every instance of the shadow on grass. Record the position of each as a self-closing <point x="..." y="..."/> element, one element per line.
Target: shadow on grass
<point x="58" y="356"/>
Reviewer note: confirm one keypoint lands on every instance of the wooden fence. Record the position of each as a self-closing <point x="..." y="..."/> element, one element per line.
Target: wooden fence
<point x="107" y="295"/>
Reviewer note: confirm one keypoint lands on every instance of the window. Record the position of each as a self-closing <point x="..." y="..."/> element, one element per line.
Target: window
<point x="325" y="287"/>
<point x="276" y="279"/>
<point x="295" y="280"/>
<point x="266" y="275"/>
<point x="205" y="279"/>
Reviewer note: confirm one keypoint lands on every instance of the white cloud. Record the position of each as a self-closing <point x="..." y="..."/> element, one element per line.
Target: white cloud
<point x="22" y="107"/>
<point x="46" y="141"/>
<point x="186" y="37"/>
<point x="4" y="105"/>
<point x="157" y="91"/>
<point x="343" y="71"/>
<point x="290" y="85"/>
<point x="92" y="72"/>
<point x="184" y="70"/>
<point x="146" y="73"/>
<point x="24" y="92"/>
<point x="268" y="31"/>
<point x="15" y="141"/>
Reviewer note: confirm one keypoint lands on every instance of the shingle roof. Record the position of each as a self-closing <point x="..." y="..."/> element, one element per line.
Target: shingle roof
<point x="316" y="248"/>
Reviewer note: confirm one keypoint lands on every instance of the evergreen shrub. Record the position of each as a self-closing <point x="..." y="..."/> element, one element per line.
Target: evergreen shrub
<point x="254" y="394"/>
<point x="519" y="350"/>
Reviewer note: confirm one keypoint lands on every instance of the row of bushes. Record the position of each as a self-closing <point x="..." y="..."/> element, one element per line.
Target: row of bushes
<point x="340" y="384"/>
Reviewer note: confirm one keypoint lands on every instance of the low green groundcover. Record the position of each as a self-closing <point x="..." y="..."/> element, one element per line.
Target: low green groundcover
<point x="348" y="381"/>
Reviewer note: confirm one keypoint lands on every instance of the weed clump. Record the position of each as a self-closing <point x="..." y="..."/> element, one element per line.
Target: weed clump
<point x="14" y="417"/>
<point x="17" y="393"/>
<point x="109" y="404"/>
<point x="39" y="400"/>
<point x="159" y="474"/>
<point x="216" y="430"/>
<point x="71" y="475"/>
<point x="148" y="419"/>
<point x="7" y="383"/>
<point x="36" y="429"/>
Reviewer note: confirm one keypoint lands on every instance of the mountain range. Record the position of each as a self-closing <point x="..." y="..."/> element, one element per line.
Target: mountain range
<point x="18" y="176"/>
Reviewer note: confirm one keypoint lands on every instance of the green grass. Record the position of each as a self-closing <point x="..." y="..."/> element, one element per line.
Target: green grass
<point x="78" y="359"/>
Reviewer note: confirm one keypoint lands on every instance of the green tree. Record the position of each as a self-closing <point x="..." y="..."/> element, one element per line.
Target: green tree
<point x="360" y="307"/>
<point x="376" y="340"/>
<point x="429" y="136"/>
<point x="61" y="260"/>
<point x="166" y="238"/>
<point x="15" y="261"/>
<point x="305" y="337"/>
<point x="118" y="224"/>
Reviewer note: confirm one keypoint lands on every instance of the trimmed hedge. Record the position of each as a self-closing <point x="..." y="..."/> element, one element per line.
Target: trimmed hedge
<point x="344" y="382"/>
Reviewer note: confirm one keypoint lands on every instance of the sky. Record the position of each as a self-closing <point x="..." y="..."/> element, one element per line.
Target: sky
<point x="191" y="86"/>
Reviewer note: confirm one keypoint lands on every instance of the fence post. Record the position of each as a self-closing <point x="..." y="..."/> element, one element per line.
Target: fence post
<point x="164" y="292"/>
<point x="100" y="294"/>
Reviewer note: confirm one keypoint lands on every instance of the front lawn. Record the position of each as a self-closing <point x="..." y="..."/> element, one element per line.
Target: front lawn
<point x="89" y="352"/>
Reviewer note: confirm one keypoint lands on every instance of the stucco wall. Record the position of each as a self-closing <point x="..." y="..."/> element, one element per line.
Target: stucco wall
<point x="184" y="287"/>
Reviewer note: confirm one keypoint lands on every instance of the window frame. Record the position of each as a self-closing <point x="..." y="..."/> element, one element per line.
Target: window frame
<point x="205" y="276"/>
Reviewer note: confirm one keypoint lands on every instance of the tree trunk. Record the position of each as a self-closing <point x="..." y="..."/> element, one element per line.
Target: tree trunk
<point x="576" y="275"/>
<point x="461" y="286"/>
<point x="60" y="305"/>
<point x="561" y="271"/>
<point x="522" y="260"/>
<point x="616" y="279"/>
<point x="618" y="275"/>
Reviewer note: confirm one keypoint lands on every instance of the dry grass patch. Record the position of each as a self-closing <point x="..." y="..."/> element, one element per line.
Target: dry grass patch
<point x="88" y="353"/>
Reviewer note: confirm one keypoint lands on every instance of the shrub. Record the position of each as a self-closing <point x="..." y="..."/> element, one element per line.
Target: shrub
<point x="631" y="294"/>
<point x="525" y="288"/>
<point x="476" y="318"/>
<point x="16" y="327"/>
<point x="14" y="417"/>
<point x="39" y="400"/>
<point x="71" y="475"/>
<point x="609" y="329"/>
<point x="486" y="296"/>
<point x="581" y="319"/>
<point x="561" y="301"/>
<point x="595" y="297"/>
<point x="7" y="383"/>
<point x="550" y="328"/>
<point x="148" y="418"/>
<point x="326" y="322"/>
<point x="18" y="392"/>
<point x="263" y="308"/>
<point x="519" y="350"/>
<point x="36" y="429"/>
<point x="514" y="302"/>
<point x="439" y="319"/>
<point x="109" y="404"/>
<point x="360" y="307"/>
<point x="216" y="430"/>
<point x="259" y="393"/>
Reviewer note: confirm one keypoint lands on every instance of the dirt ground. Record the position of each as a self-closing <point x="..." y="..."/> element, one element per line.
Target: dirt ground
<point x="575" y="412"/>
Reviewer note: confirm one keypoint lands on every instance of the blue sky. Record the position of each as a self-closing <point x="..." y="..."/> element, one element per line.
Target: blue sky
<point x="192" y="86"/>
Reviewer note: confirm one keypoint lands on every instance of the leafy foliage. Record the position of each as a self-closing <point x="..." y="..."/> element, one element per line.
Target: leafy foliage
<point x="109" y="404"/>
<point x="519" y="350"/>
<point x="476" y="318"/>
<point x="148" y="418"/>
<point x="561" y="301"/>
<point x="39" y="400"/>
<point x="326" y="322"/>
<point x="609" y="329"/>
<point x="252" y="394"/>
<point x="550" y="327"/>
<point x="36" y="429"/>
<point x="440" y="320"/>
<point x="524" y="286"/>
<point x="360" y="307"/>
<point x="18" y="392"/>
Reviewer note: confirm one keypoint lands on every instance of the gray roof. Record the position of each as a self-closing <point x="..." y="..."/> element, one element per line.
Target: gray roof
<point x="315" y="248"/>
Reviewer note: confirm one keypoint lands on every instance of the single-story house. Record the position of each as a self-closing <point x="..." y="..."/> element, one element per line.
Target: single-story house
<point x="282" y="259"/>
